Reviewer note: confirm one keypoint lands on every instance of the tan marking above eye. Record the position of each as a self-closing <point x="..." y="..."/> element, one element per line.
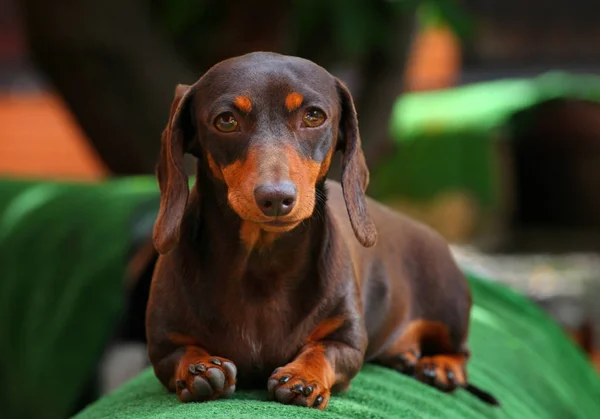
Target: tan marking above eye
<point x="243" y="103"/>
<point x="226" y="122"/>
<point x="313" y="117"/>
<point x="293" y="101"/>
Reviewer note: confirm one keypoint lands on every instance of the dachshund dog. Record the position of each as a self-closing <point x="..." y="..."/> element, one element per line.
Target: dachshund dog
<point x="271" y="276"/>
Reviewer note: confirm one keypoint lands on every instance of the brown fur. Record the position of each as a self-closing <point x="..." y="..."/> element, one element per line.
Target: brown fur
<point x="313" y="294"/>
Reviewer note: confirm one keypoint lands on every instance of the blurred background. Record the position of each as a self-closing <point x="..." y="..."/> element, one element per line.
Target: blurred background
<point x="480" y="118"/>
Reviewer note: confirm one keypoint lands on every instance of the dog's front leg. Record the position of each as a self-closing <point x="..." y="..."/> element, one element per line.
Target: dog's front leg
<point x="332" y="356"/>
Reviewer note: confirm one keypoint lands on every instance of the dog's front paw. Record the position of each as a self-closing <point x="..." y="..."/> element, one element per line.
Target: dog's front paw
<point x="202" y="378"/>
<point x="444" y="372"/>
<point x="298" y="386"/>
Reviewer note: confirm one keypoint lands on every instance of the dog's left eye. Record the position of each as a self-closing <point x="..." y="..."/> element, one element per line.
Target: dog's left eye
<point x="226" y="122"/>
<point x="313" y="117"/>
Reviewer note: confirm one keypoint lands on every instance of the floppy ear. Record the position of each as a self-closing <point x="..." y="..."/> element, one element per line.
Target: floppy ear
<point x="355" y="175"/>
<point x="172" y="179"/>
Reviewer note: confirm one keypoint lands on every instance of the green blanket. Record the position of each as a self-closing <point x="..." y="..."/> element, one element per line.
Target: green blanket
<point x="520" y="356"/>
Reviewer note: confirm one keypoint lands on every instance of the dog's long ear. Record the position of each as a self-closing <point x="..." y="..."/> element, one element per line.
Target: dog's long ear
<point x="172" y="179"/>
<point x="355" y="174"/>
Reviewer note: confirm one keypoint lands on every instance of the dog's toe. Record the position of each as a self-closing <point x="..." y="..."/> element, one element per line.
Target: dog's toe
<point x="284" y="395"/>
<point x="444" y="372"/>
<point x="186" y="396"/>
<point x="216" y="378"/>
<point x="227" y="393"/>
<point x="231" y="369"/>
<point x="271" y="384"/>
<point x="202" y="388"/>
<point x="404" y="362"/>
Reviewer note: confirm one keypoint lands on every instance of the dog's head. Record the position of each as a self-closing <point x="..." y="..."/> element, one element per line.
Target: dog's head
<point x="267" y="126"/>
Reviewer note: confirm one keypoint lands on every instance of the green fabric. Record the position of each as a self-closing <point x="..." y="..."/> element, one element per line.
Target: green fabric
<point x="520" y="356"/>
<point x="62" y="257"/>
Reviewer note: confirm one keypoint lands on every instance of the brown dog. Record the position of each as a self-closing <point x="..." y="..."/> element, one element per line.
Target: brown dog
<point x="261" y="281"/>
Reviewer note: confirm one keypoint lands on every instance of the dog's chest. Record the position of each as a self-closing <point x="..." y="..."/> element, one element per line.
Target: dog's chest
<point x="260" y="319"/>
<point x="257" y="339"/>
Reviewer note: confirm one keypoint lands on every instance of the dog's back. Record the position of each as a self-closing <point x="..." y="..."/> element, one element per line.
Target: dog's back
<point x="409" y="258"/>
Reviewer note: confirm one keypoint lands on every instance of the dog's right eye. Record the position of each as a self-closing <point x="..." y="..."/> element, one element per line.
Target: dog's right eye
<point x="226" y="122"/>
<point x="314" y="117"/>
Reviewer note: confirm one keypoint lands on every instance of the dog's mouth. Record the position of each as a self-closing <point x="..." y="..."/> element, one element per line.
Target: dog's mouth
<point x="279" y="225"/>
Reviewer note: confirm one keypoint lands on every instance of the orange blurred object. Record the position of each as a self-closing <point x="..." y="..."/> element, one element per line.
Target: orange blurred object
<point x="39" y="138"/>
<point x="434" y="60"/>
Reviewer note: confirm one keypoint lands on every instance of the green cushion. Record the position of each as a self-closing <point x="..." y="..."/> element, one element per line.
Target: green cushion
<point x="63" y="249"/>
<point x="519" y="355"/>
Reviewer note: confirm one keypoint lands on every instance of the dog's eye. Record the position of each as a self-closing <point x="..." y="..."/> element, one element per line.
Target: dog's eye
<point x="313" y="117"/>
<point x="226" y="122"/>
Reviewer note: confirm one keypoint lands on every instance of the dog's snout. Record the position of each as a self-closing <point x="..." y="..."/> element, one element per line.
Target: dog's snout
<point x="275" y="200"/>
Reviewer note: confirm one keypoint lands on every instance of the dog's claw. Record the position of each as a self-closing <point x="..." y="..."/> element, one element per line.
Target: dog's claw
<point x="308" y="390"/>
<point x="318" y="401"/>
<point x="298" y="389"/>
<point x="429" y="371"/>
<point x="215" y="361"/>
<point x="451" y="376"/>
<point x="284" y="379"/>
<point x="192" y="369"/>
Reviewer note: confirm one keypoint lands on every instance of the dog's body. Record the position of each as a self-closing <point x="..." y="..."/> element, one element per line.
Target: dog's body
<point x="273" y="288"/>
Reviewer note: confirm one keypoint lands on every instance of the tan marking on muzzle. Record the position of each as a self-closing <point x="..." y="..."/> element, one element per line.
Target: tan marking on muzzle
<point x="325" y="164"/>
<point x="274" y="165"/>
<point x="214" y="167"/>
<point x="304" y="173"/>
<point x="241" y="177"/>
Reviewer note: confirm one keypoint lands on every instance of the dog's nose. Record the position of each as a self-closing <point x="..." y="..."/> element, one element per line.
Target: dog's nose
<point x="274" y="200"/>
